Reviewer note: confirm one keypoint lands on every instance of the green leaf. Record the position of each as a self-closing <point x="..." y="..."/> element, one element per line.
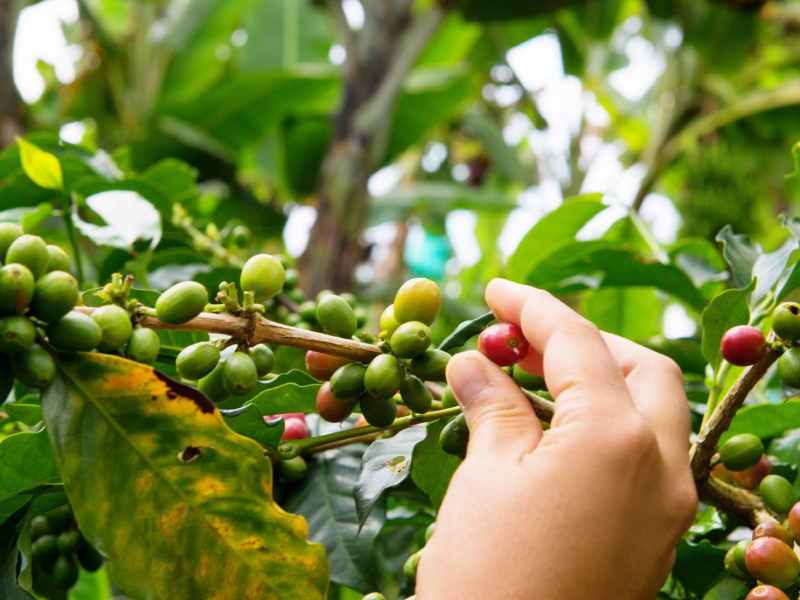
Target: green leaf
<point x="26" y="463"/>
<point x="30" y="414"/>
<point x="631" y="312"/>
<point x="504" y="158"/>
<point x="765" y="420"/>
<point x="325" y="499"/>
<point x="768" y="268"/>
<point x="468" y="329"/>
<point x="726" y="310"/>
<point x="249" y="422"/>
<point x="796" y="158"/>
<point x="287" y="398"/>
<point x="740" y="254"/>
<point x="550" y="232"/>
<point x="92" y="586"/>
<point x="385" y="464"/>
<point x="130" y="442"/>
<point x="42" y="167"/>
<point x="687" y="352"/>
<point x="698" y="566"/>
<point x="9" y="554"/>
<point x="31" y="220"/>
<point x="431" y="467"/>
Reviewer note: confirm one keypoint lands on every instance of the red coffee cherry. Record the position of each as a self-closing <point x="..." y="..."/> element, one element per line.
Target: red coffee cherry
<point x="322" y="366"/>
<point x="295" y="429"/>
<point x="794" y="521"/>
<point x="772" y="562"/>
<point x="774" y="530"/>
<point x="751" y="478"/>
<point x="766" y="592"/>
<point x="503" y="344"/>
<point x="331" y="408"/>
<point x="743" y="345"/>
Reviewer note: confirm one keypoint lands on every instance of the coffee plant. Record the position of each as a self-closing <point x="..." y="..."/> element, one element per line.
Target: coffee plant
<point x="231" y="438"/>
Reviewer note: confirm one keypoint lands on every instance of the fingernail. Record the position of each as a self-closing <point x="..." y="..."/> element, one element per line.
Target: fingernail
<point x="467" y="379"/>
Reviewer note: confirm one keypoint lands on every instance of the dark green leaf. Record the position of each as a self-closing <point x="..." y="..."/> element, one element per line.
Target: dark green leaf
<point x="30" y="414"/>
<point x="385" y="464"/>
<point x="431" y="467"/>
<point x="768" y="268"/>
<point x="249" y="422"/>
<point x="631" y="312"/>
<point x="468" y="329"/>
<point x="26" y="463"/>
<point x="765" y="420"/>
<point x="287" y="398"/>
<point x="9" y="556"/>
<point x="699" y="566"/>
<point x="740" y="255"/>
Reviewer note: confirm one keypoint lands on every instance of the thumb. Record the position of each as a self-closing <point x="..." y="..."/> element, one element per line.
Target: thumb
<point x="499" y="417"/>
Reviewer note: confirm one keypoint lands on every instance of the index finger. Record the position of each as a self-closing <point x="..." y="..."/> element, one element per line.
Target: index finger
<point x="579" y="368"/>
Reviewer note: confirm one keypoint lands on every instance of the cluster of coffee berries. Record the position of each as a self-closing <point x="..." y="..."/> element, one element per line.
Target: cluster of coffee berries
<point x="406" y="363"/>
<point x="219" y="378"/>
<point x="57" y="551"/>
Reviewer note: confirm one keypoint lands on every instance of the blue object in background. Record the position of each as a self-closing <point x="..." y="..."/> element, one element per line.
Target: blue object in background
<point x="426" y="255"/>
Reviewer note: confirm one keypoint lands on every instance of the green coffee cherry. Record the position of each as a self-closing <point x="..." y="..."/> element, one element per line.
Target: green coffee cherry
<point x="415" y="395"/>
<point x="65" y="571"/>
<point x="293" y="320"/>
<point x="336" y="317"/>
<point x="239" y="375"/>
<point x="308" y="311"/>
<point x="460" y="425"/>
<point x="732" y="568"/>
<point x="789" y="367"/>
<point x="69" y="542"/>
<point x="383" y="376"/>
<point x="527" y="381"/>
<point x="429" y="532"/>
<point x="739" y="554"/>
<point x="778" y="494"/>
<point x="9" y="232"/>
<point x="417" y="300"/>
<point x="379" y="412"/>
<point x="362" y="316"/>
<point x="31" y="251"/>
<point x="449" y="398"/>
<point x="40" y="526"/>
<point x="323" y="294"/>
<point x="374" y="596"/>
<point x="213" y="386"/>
<point x="294" y="469"/>
<point x="90" y="559"/>
<point x="741" y="452"/>
<point x="61" y="518"/>
<point x="181" y="303"/>
<point x="196" y="361"/>
<point x="34" y="367"/>
<point x="143" y="346"/>
<point x="431" y="365"/>
<point x="348" y="381"/>
<point x="388" y="323"/>
<point x="786" y="321"/>
<point x="412" y="564"/>
<point x="263" y="275"/>
<point x="45" y="547"/>
<point x="75" y="332"/>
<point x="297" y="295"/>
<point x="411" y="339"/>
<point x="263" y="358"/>
<point x="241" y="236"/>
<point x="16" y="288"/>
<point x="57" y="259"/>
<point x="453" y="441"/>
<point x="292" y="278"/>
<point x="17" y="334"/>
<point x="54" y="295"/>
<point x="116" y="326"/>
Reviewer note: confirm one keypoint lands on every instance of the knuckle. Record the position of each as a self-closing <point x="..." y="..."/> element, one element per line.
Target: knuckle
<point x="667" y="366"/>
<point x="682" y="507"/>
<point x="633" y="441"/>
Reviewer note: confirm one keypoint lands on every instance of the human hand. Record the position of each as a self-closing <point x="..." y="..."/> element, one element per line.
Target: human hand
<point x="593" y="509"/>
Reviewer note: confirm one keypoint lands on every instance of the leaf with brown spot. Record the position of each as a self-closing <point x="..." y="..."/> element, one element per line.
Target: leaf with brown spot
<point x="179" y="502"/>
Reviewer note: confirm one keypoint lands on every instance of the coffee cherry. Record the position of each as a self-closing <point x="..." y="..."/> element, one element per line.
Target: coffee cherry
<point x="388" y="323"/>
<point x="431" y="365"/>
<point x="429" y="532"/>
<point x="263" y="358"/>
<point x="17" y="334"/>
<point x="213" y="384"/>
<point x="65" y="571"/>
<point x="374" y="596"/>
<point x="778" y="494"/>
<point x="241" y="236"/>
<point x="34" y="367"/>
<point x="527" y="381"/>
<point x="786" y="321"/>
<point x="379" y="412"/>
<point x="116" y="326"/>
<point x="503" y="344"/>
<point x="766" y="592"/>
<point x="772" y="562"/>
<point x="417" y="300"/>
<point x="412" y="564"/>
<point x="239" y="375"/>
<point x="322" y="366"/>
<point x="411" y="339"/>
<point x="308" y="311"/>
<point x="732" y="568"/>
<point x="45" y="547"/>
<point x="70" y="541"/>
<point x="75" y="332"/>
<point x="415" y="395"/>
<point x="54" y="295"/>
<point x="61" y="518"/>
<point x="336" y="317"/>
<point x="743" y="345"/>
<point x="40" y="526"/>
<point x="9" y="232"/>
<point x="291" y="279"/>
<point x="794" y="521"/>
<point x="774" y="530"/>
<point x="90" y="559"/>
<point x="324" y="294"/>
<point x="331" y="408"/>
<point x="789" y="367"/>
<point x="16" y="288"/>
<point x="294" y="469"/>
<point x="143" y="346"/>
<point x="350" y="299"/>
<point x="294" y="429"/>
<point x="181" y="303"/>
<point x="263" y="275"/>
<point x="348" y="381"/>
<point x="449" y="398"/>
<point x="751" y="478"/>
<point x="31" y="251"/>
<point x="383" y="376"/>
<point x="741" y="452"/>
<point x="57" y="259"/>
<point x="454" y="438"/>
<point x="362" y="316"/>
<point x="196" y="361"/>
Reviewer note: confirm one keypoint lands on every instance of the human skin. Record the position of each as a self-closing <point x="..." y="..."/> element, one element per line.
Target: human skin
<point x="592" y="509"/>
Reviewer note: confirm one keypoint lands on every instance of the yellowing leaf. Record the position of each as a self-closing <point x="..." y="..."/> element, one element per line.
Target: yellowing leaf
<point x="180" y="503"/>
<point x="42" y="167"/>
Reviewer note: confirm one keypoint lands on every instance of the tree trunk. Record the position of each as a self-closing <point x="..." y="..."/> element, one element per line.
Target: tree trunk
<point x="377" y="61"/>
<point x="12" y="122"/>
